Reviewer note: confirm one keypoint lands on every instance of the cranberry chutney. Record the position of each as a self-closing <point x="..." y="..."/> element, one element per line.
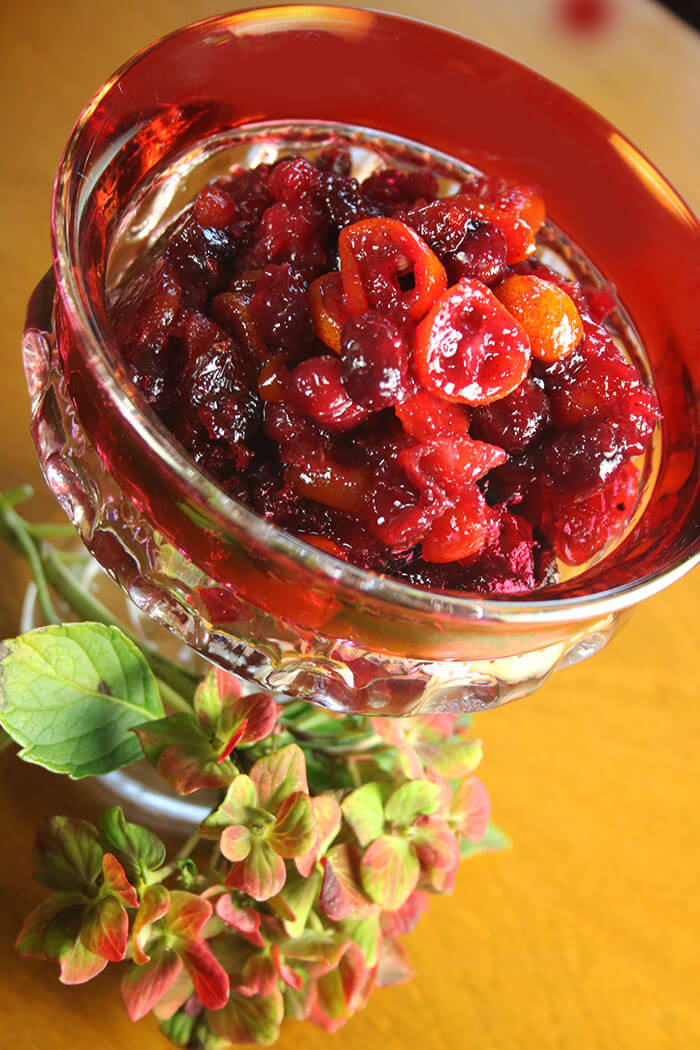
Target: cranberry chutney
<point x="391" y="373"/>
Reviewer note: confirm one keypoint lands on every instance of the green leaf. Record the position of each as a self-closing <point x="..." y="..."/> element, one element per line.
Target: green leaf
<point x="299" y="895"/>
<point x="79" y="965"/>
<point x="68" y="856"/>
<point x="261" y="875"/>
<point x="365" y="933"/>
<point x="341" y="891"/>
<point x="182" y="754"/>
<point x="138" y="850"/>
<point x="457" y="757"/>
<point x="389" y="871"/>
<point x="105" y="929"/>
<point x="493" y="840"/>
<point x="240" y="799"/>
<point x="363" y="809"/>
<point x="294" y="830"/>
<point x="70" y="694"/>
<point x="278" y="775"/>
<point x="325" y="947"/>
<point x="178" y="1028"/>
<point x="413" y="799"/>
<point x="253" y="1020"/>
<point x="154" y="905"/>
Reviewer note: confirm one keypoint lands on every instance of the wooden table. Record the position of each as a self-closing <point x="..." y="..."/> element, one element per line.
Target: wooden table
<point x="585" y="936"/>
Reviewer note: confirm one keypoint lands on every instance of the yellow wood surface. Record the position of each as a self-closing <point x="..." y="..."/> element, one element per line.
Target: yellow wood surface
<point x="584" y="937"/>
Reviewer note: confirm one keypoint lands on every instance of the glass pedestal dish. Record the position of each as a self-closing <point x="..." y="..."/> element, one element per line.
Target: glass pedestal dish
<point x="232" y="586"/>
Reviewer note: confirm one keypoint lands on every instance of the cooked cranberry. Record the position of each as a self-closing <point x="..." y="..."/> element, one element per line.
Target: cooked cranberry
<point x="215" y="207"/>
<point x="450" y="463"/>
<point x="288" y="234"/>
<point x="297" y="335"/>
<point x="389" y="189"/>
<point x="341" y="198"/>
<point x="280" y="310"/>
<point x="482" y="254"/>
<point x="461" y="531"/>
<point x="469" y="349"/>
<point x="515" y="421"/>
<point x="218" y="385"/>
<point x="584" y="459"/>
<point x="374" y="361"/>
<point x="578" y="529"/>
<point x="425" y="416"/>
<point x="335" y="159"/>
<point x="295" y="181"/>
<point x="316" y="388"/>
<point x="507" y="565"/>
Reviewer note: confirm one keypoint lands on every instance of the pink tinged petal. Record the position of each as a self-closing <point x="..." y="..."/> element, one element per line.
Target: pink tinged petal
<point x="208" y="976"/>
<point x="31" y="939"/>
<point x="258" y="714"/>
<point x="187" y="915"/>
<point x="234" y="740"/>
<point x="184" y="772"/>
<point x="426" y="726"/>
<point x="472" y="808"/>
<point x="261" y="875"/>
<point x="243" y="1020"/>
<point x="177" y="995"/>
<point x="435" y="844"/>
<point x="394" y="967"/>
<point x="341" y="891"/>
<point x="327" y="817"/>
<point x="143" y="987"/>
<point x="323" y="950"/>
<point x="411" y="800"/>
<point x="259" y="976"/>
<point x="457" y="757"/>
<point x="245" y="920"/>
<point x="291" y="977"/>
<point x="405" y="918"/>
<point x="294" y="830"/>
<point x="440" y="880"/>
<point x="389" y="729"/>
<point x="411" y="763"/>
<point x="229" y="686"/>
<point x="389" y="871"/>
<point x="240" y="798"/>
<point x="338" y="993"/>
<point x="235" y="842"/>
<point x="79" y="965"/>
<point x="105" y="929"/>
<point x="154" y="905"/>
<point x="278" y="775"/>
<point x="115" y="878"/>
<point x="363" y="810"/>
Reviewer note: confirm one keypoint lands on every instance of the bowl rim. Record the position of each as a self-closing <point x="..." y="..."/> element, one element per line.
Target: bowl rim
<point x="136" y="414"/>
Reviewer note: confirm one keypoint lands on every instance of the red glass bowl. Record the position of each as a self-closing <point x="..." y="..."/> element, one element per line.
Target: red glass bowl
<point x="235" y="587"/>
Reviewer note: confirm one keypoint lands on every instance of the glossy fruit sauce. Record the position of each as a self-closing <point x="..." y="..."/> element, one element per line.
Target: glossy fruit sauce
<point x="382" y="353"/>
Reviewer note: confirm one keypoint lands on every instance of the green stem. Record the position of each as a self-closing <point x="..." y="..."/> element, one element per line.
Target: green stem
<point x="187" y="848"/>
<point x="173" y="699"/>
<point x="48" y="569"/>
<point x="87" y="607"/>
<point x="20" y="539"/>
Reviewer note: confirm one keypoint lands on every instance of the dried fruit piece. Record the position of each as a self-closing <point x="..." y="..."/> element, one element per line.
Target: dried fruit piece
<point x="547" y="314"/>
<point x="328" y="310"/>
